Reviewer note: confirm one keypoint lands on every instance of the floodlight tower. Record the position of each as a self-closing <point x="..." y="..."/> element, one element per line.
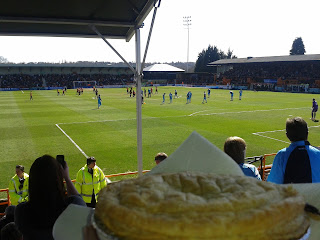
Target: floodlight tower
<point x="187" y="23"/>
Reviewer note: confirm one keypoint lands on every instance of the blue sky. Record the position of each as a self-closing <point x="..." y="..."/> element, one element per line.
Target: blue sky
<point x="248" y="27"/>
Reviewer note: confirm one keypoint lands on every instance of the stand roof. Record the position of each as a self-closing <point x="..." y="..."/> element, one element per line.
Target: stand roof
<point x="72" y="18"/>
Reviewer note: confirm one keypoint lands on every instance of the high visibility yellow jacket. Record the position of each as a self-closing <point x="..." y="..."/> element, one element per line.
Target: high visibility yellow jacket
<point x="87" y="183"/>
<point x="18" y="195"/>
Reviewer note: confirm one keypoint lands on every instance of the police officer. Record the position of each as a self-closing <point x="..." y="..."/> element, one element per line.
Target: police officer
<point x="18" y="186"/>
<point x="90" y="180"/>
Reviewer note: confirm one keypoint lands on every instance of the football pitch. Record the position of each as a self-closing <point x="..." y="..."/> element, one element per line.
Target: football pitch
<point x="73" y="125"/>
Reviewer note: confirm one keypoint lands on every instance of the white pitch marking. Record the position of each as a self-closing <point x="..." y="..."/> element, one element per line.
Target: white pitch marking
<point x="251" y="111"/>
<point x="270" y="131"/>
<point x="260" y="134"/>
<point x="128" y="119"/>
<point x="190" y="115"/>
<point x="257" y="134"/>
<point x="197" y="112"/>
<point x="72" y="141"/>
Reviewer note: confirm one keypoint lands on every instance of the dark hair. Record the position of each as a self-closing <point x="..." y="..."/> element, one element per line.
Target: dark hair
<point x="235" y="147"/>
<point x="160" y="156"/>
<point x="11" y="232"/>
<point x="20" y="167"/>
<point x="10" y="210"/>
<point x="46" y="187"/>
<point x="297" y="129"/>
<point x="90" y="160"/>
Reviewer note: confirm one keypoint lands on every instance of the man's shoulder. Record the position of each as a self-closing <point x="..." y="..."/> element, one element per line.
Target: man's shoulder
<point x="283" y="150"/>
<point x="247" y="165"/>
<point x="314" y="149"/>
<point x="97" y="168"/>
<point x="82" y="169"/>
<point x="15" y="177"/>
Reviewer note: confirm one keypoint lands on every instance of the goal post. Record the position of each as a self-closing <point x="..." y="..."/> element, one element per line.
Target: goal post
<point x="84" y="84"/>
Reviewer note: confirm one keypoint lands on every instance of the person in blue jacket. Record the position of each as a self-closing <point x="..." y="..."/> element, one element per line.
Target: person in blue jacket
<point x="298" y="163"/>
<point x="236" y="147"/>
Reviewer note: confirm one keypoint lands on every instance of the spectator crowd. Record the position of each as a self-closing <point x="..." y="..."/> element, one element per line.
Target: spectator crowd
<point x="61" y="80"/>
<point x="304" y="73"/>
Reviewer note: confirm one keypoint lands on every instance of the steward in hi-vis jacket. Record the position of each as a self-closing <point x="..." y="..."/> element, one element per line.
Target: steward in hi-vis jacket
<point x="90" y="180"/>
<point x="19" y="186"/>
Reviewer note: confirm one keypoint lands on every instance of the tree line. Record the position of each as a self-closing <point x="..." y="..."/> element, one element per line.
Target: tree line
<point x="206" y="56"/>
<point x="212" y="53"/>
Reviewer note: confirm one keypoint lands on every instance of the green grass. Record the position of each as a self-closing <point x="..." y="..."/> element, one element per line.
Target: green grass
<point x="28" y="130"/>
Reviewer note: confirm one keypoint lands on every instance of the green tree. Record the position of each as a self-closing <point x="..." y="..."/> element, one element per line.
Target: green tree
<point x="211" y="54"/>
<point x="3" y="60"/>
<point x="297" y="47"/>
<point x="230" y="54"/>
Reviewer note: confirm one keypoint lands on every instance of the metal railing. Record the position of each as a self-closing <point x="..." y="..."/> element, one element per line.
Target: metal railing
<point x="7" y="202"/>
<point x="263" y="169"/>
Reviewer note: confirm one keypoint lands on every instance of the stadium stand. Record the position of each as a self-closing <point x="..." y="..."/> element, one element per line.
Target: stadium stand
<point x="61" y="80"/>
<point x="267" y="73"/>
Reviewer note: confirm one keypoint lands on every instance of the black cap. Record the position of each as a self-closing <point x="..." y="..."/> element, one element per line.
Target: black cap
<point x="90" y="160"/>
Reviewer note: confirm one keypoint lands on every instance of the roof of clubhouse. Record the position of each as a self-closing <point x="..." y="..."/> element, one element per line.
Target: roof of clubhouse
<point x="162" y="68"/>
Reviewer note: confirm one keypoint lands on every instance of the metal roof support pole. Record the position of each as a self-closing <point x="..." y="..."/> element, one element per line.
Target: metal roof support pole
<point x="106" y="41"/>
<point x="150" y="32"/>
<point x="138" y="77"/>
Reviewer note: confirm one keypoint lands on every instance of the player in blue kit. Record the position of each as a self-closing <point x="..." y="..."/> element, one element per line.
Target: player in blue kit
<point x="204" y="97"/>
<point x="188" y="97"/>
<point x="163" y="98"/>
<point x="314" y="110"/>
<point x="170" y="96"/>
<point x="240" y="94"/>
<point x="99" y="101"/>
<point x="231" y="96"/>
<point x="209" y="91"/>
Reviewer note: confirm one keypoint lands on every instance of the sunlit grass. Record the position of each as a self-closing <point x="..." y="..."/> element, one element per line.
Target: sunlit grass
<point x="28" y="128"/>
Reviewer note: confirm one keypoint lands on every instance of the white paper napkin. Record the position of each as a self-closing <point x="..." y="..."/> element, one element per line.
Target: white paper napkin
<point x="70" y="223"/>
<point x="199" y="155"/>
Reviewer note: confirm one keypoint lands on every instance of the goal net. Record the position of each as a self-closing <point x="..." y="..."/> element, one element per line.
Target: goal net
<point x="84" y="84"/>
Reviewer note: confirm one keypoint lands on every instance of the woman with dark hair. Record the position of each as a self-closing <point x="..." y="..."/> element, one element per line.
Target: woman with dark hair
<point x="47" y="198"/>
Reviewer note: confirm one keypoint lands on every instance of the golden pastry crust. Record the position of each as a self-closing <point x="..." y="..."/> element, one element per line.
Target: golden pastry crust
<point x="201" y="206"/>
